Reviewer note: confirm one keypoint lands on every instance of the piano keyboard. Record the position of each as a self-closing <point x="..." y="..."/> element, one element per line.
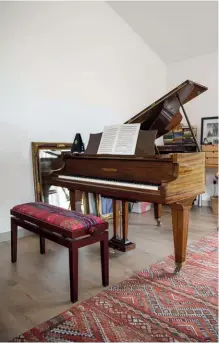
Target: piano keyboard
<point x="110" y="182"/>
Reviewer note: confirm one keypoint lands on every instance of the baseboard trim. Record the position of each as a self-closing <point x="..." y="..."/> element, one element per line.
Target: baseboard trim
<point x="6" y="236"/>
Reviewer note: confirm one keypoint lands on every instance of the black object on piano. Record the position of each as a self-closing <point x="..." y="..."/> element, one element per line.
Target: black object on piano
<point x="77" y="145"/>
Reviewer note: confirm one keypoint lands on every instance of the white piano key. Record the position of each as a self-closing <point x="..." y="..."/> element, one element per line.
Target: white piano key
<point x="109" y="182"/>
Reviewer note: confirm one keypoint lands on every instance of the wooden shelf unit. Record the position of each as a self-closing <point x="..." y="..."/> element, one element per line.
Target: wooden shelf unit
<point x="211" y="155"/>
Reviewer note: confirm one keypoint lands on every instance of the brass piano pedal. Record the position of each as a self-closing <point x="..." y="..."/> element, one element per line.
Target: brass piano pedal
<point x="159" y="222"/>
<point x="112" y="251"/>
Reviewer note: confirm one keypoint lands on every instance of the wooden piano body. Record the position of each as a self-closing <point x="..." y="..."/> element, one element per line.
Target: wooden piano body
<point x="174" y="179"/>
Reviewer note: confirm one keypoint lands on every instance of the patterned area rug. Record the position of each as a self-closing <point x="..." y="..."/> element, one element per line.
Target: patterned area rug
<point x="153" y="306"/>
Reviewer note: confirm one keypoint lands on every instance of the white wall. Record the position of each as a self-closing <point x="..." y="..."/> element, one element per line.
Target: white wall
<point x="204" y="70"/>
<point x="65" y="67"/>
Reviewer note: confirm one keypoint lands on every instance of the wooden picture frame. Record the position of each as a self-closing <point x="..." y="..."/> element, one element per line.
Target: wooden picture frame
<point x="209" y="130"/>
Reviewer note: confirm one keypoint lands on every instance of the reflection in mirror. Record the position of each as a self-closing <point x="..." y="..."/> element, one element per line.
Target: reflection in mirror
<point x="50" y="160"/>
<point x="46" y="158"/>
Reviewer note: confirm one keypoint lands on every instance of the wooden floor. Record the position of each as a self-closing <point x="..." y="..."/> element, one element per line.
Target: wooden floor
<point x="37" y="287"/>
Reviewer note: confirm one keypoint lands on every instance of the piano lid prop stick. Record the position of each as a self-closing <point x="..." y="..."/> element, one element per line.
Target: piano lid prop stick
<point x="190" y="127"/>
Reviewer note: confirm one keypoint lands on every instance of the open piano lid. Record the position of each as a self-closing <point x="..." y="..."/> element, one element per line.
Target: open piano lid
<point x="163" y="115"/>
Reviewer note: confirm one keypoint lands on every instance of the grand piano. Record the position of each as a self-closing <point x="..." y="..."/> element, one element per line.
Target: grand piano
<point x="173" y="179"/>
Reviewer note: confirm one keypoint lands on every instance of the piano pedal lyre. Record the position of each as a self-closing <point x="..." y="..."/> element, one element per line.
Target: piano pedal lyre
<point x="118" y="243"/>
<point x="120" y="218"/>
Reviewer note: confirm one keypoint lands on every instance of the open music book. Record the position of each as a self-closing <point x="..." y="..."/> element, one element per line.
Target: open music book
<point x="119" y="139"/>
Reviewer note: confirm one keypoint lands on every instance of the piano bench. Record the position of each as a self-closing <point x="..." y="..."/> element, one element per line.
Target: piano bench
<point x="68" y="228"/>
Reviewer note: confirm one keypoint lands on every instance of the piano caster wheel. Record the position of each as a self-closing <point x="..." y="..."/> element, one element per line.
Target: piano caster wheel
<point x="158" y="222"/>
<point x="178" y="267"/>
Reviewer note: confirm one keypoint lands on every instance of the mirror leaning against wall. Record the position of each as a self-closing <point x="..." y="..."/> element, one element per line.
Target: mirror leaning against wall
<point x="47" y="157"/>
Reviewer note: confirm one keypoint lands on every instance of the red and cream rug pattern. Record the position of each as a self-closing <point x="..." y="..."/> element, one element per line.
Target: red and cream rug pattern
<point x="155" y="305"/>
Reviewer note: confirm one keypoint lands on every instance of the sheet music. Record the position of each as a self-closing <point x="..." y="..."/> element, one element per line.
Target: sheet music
<point x="108" y="139"/>
<point x="119" y="139"/>
<point x="126" y="139"/>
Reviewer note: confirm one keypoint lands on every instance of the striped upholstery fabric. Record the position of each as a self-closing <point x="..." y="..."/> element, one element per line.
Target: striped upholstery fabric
<point x="70" y="220"/>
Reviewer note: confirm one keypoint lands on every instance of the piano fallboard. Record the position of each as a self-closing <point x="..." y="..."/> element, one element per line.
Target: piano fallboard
<point x="122" y="168"/>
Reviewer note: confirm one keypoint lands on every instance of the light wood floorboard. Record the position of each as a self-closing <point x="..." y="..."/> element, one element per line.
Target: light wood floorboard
<point x="36" y="288"/>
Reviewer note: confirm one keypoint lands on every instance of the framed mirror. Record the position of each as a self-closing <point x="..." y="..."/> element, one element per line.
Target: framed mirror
<point x="46" y="157"/>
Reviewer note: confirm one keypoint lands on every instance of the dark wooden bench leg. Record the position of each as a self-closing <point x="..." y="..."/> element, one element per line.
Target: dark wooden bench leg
<point x="42" y="245"/>
<point x="104" y="250"/>
<point x="13" y="240"/>
<point x="73" y="269"/>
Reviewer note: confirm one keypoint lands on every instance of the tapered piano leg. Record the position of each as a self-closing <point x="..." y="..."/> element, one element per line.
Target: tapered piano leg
<point x="180" y="218"/>
<point x="116" y="242"/>
<point x="158" y="213"/>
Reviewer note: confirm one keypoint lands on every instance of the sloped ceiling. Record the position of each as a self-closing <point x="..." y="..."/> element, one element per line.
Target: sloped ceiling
<point x="175" y="30"/>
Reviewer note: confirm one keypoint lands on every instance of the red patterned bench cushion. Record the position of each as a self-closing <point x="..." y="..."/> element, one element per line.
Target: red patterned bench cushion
<point x="66" y="219"/>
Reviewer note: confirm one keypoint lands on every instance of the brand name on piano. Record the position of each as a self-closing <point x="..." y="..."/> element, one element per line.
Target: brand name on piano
<point x="109" y="169"/>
